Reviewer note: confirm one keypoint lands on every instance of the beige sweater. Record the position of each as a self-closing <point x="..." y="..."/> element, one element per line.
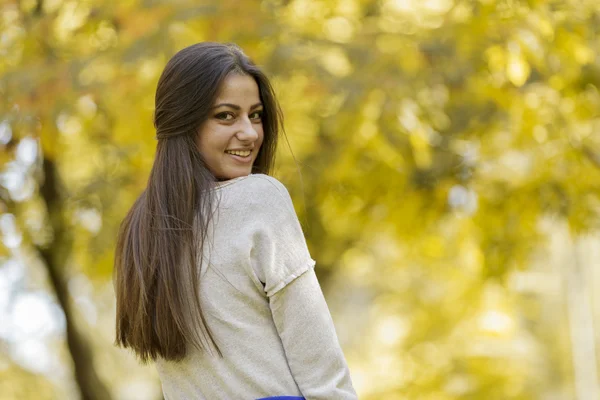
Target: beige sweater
<point x="264" y="306"/>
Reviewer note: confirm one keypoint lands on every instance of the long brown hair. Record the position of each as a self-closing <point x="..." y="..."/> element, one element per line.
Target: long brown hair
<point x="160" y="241"/>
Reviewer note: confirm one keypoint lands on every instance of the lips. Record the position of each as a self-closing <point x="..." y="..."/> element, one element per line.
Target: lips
<point x="241" y="159"/>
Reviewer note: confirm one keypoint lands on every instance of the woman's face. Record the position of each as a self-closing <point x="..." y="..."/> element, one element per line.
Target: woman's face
<point x="229" y="140"/>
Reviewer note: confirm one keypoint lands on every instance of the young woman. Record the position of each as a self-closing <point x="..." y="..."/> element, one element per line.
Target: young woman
<point x="213" y="278"/>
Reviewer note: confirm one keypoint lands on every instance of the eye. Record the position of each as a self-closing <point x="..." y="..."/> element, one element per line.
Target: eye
<point x="257" y="115"/>
<point x="225" y="116"/>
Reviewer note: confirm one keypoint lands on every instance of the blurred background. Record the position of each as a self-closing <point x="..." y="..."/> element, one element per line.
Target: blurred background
<point x="443" y="157"/>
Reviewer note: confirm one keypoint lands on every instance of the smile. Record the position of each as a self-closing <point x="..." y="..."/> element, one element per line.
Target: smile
<point x="241" y="153"/>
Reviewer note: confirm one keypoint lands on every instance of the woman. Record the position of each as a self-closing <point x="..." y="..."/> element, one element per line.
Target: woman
<point x="213" y="279"/>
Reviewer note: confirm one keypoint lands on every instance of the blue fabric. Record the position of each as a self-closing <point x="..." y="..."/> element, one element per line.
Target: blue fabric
<point x="283" y="398"/>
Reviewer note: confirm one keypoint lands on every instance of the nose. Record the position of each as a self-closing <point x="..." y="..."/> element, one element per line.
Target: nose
<point x="247" y="131"/>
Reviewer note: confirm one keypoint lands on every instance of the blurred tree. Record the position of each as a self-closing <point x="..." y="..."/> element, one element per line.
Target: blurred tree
<point x="433" y="139"/>
<point x="17" y="383"/>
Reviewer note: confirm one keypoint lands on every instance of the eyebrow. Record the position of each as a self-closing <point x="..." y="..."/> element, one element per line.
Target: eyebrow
<point x="236" y="107"/>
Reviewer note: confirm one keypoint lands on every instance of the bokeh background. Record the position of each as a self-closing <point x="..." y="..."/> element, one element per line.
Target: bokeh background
<point x="443" y="157"/>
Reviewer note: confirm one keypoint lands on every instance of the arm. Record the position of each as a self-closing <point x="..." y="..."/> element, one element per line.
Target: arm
<point x="306" y="329"/>
<point x="282" y="262"/>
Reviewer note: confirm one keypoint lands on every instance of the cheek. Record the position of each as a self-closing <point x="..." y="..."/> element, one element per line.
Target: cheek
<point x="261" y="134"/>
<point x="210" y="140"/>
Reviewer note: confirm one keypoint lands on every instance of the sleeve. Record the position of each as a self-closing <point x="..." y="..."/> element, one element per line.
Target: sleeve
<point x="283" y="264"/>
<point x="311" y="346"/>
<point x="279" y="253"/>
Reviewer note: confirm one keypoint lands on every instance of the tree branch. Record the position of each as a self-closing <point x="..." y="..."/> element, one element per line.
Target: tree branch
<point x="592" y="156"/>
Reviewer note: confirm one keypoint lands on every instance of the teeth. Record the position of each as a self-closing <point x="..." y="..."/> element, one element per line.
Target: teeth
<point x="242" y="153"/>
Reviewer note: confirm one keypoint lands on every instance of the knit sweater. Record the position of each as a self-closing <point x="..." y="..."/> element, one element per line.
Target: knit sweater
<point x="264" y="306"/>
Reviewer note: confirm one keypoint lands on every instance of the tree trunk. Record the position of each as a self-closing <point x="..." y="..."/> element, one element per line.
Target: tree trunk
<point x="55" y="256"/>
<point x="581" y="325"/>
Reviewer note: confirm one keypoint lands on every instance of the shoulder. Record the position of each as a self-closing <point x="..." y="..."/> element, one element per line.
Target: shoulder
<point x="260" y="191"/>
<point x="264" y="187"/>
<point x="262" y="183"/>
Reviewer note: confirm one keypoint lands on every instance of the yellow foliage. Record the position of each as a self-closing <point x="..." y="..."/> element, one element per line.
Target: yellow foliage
<point x="433" y="140"/>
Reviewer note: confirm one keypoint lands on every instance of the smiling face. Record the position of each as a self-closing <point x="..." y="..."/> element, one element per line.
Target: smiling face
<point x="229" y="140"/>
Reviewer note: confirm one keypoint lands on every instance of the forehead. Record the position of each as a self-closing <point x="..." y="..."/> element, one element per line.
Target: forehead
<point x="239" y="89"/>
